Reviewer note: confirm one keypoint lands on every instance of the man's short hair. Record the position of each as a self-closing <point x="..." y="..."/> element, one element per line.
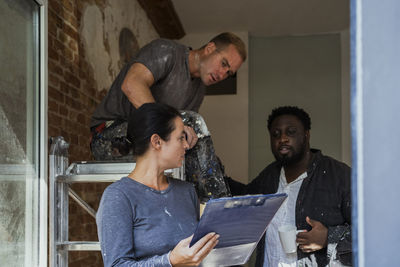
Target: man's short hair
<point x="224" y="39"/>
<point x="290" y="110"/>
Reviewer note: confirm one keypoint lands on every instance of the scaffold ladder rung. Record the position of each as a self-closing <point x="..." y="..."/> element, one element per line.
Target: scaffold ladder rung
<point x="79" y="246"/>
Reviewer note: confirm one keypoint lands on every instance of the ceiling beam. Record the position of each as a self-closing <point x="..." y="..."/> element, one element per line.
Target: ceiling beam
<point x="164" y="18"/>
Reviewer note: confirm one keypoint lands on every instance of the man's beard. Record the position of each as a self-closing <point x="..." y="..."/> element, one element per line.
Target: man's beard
<point x="286" y="160"/>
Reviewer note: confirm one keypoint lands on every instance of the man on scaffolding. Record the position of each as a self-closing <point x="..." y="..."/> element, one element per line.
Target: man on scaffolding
<point x="167" y="72"/>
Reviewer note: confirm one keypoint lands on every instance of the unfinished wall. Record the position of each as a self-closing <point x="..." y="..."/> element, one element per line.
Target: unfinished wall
<point x="84" y="58"/>
<point x="100" y="35"/>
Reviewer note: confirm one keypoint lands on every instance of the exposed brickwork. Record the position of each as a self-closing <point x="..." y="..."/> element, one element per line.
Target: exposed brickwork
<point x="72" y="98"/>
<point x="72" y="94"/>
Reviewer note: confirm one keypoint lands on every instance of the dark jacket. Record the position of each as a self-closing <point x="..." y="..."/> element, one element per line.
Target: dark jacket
<point x="324" y="196"/>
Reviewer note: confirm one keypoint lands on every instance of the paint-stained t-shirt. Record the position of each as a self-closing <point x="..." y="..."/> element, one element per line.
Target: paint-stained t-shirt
<point x="139" y="226"/>
<point x="173" y="85"/>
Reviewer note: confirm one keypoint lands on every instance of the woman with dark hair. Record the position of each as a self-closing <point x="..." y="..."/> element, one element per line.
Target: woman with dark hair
<point x="145" y="219"/>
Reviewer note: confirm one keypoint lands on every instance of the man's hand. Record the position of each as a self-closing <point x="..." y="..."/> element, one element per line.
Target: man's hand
<point x="191" y="136"/>
<point x="315" y="239"/>
<point x="182" y="255"/>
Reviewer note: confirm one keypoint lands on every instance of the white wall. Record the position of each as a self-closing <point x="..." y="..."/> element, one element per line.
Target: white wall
<point x="311" y="72"/>
<point x="227" y="115"/>
<point x="345" y="63"/>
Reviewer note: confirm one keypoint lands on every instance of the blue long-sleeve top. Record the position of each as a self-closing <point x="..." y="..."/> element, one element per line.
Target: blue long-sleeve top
<point x="139" y="226"/>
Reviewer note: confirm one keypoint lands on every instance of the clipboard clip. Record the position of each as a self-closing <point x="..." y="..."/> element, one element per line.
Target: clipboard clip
<point x="251" y="201"/>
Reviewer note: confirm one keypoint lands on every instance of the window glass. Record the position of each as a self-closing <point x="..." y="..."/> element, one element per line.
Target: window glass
<point x="19" y="131"/>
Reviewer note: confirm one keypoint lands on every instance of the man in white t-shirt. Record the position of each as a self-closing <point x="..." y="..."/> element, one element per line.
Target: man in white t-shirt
<point x="319" y="196"/>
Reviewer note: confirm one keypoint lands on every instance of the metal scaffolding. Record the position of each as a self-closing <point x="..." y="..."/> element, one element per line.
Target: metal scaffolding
<point x="61" y="176"/>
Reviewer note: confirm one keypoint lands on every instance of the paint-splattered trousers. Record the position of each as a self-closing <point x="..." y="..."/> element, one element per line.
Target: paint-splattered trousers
<point x="109" y="142"/>
<point x="202" y="166"/>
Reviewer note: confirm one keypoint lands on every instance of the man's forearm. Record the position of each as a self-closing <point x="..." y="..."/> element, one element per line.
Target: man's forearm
<point x="139" y="95"/>
<point x="136" y="85"/>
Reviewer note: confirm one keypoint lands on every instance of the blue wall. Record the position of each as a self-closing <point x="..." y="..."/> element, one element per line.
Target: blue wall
<point x="375" y="37"/>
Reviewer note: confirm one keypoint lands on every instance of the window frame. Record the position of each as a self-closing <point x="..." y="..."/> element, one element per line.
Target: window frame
<point x="42" y="185"/>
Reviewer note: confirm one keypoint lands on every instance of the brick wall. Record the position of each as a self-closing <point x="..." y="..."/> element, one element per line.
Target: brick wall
<point x="72" y="94"/>
<point x="72" y="98"/>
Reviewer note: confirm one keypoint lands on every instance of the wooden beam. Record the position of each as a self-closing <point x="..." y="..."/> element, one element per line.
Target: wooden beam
<point x="164" y="18"/>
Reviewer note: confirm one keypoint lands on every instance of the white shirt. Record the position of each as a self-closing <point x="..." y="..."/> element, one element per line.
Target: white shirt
<point x="274" y="255"/>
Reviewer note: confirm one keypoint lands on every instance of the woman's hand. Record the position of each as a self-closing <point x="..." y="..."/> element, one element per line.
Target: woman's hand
<point x="182" y="255"/>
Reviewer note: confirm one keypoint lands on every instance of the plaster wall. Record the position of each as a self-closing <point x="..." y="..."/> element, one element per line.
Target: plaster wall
<point x="100" y="31"/>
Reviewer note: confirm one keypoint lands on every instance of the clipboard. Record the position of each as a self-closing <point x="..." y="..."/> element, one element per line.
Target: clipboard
<point x="240" y="221"/>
